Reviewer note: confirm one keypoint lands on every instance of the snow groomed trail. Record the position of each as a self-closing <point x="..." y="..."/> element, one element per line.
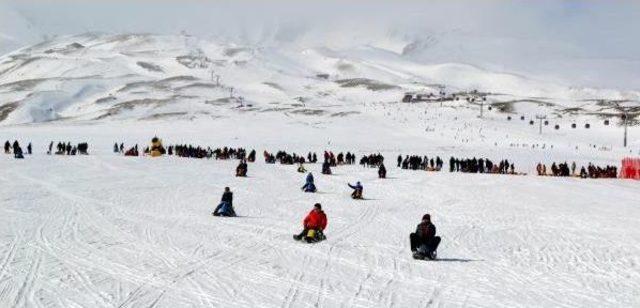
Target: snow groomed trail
<point x="110" y="231"/>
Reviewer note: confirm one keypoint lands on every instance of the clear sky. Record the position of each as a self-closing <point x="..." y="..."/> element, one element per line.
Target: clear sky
<point x="587" y="42"/>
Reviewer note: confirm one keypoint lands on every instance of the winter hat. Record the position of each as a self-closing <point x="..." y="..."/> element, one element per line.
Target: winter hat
<point x="426" y="217"/>
<point x="318" y="206"/>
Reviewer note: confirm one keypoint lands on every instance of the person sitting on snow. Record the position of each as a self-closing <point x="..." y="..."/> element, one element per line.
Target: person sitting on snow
<point x="309" y="186"/>
<point x="241" y="170"/>
<point x="424" y="242"/>
<point x="314" y="225"/>
<point x="301" y="168"/>
<point x="225" y="208"/>
<point x="357" y="190"/>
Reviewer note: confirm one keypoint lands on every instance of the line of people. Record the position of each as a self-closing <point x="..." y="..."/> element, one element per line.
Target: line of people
<point x="372" y="160"/>
<point x="482" y="165"/>
<point x="564" y="170"/>
<point x="416" y="162"/>
<point x="68" y="149"/>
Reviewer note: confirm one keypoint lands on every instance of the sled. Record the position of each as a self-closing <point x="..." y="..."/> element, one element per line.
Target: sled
<point x="312" y="237"/>
<point x="420" y="256"/>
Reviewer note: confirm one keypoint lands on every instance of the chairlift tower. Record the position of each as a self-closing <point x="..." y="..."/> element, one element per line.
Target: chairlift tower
<point x="624" y="113"/>
<point x="540" y="118"/>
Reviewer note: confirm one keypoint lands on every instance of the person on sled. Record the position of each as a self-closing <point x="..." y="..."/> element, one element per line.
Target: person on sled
<point x="309" y="186"/>
<point x="225" y="208"/>
<point x="301" y="168"/>
<point x="357" y="190"/>
<point x="241" y="170"/>
<point x="424" y="242"/>
<point x="314" y="225"/>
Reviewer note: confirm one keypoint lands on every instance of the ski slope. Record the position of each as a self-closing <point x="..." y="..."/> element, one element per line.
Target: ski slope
<point x="111" y="231"/>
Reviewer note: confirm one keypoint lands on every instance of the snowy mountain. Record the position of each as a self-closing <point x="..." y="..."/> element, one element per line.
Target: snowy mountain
<point x="102" y="78"/>
<point x="104" y="230"/>
<point x="97" y="76"/>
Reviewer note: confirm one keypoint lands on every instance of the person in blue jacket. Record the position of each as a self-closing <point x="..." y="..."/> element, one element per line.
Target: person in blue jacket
<point x="225" y="208"/>
<point x="357" y="190"/>
<point x="309" y="186"/>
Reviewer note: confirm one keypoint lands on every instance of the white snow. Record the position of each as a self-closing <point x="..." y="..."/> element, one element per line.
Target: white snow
<point x="106" y="230"/>
<point x="109" y="231"/>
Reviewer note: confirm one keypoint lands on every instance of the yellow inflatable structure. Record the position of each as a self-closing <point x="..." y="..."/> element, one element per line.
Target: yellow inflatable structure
<point x="156" y="147"/>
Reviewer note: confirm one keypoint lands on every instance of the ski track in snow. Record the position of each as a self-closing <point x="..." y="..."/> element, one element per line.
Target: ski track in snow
<point x="109" y="231"/>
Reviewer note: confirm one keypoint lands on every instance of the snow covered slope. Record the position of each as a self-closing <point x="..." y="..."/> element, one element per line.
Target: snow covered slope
<point x="105" y="231"/>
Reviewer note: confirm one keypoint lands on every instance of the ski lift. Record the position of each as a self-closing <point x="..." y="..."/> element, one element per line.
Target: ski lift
<point x="573" y="125"/>
<point x="531" y="122"/>
<point x="522" y="118"/>
<point x="546" y="123"/>
<point x="587" y="126"/>
<point x="606" y="122"/>
<point x="557" y="127"/>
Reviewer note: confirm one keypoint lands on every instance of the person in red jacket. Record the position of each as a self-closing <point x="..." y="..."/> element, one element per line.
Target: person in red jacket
<point x="314" y="225"/>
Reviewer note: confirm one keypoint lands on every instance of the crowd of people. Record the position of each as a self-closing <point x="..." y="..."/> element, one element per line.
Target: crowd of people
<point x="285" y="158"/>
<point x="187" y="151"/>
<point x="372" y="160"/>
<point x="16" y="149"/>
<point x="564" y="170"/>
<point x="412" y="162"/>
<point x="482" y="165"/>
<point x="417" y="162"/>
<point x="68" y="149"/>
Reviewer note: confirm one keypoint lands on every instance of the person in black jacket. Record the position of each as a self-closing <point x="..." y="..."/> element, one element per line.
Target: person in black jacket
<point x="382" y="171"/>
<point x="424" y="242"/>
<point x="225" y="208"/>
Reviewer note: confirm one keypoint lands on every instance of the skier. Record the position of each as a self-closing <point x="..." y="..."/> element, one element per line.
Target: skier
<point x="7" y="147"/>
<point x="424" y="242"/>
<point x="314" y="225"/>
<point x="225" y="208"/>
<point x="29" y="149"/>
<point x="382" y="171"/>
<point x="357" y="190"/>
<point x="309" y="186"/>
